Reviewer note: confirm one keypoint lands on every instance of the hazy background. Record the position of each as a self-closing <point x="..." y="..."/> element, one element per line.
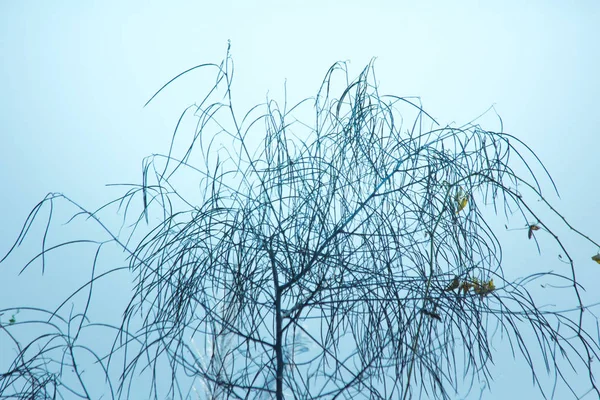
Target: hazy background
<point x="74" y="76"/>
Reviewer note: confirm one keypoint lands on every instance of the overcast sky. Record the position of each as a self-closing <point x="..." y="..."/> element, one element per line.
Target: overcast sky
<point x="75" y="75"/>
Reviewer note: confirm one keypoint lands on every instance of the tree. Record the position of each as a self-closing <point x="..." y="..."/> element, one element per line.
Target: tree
<point x="346" y="255"/>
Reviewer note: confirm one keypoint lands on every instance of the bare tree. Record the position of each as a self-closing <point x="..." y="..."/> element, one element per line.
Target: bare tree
<point x="344" y="255"/>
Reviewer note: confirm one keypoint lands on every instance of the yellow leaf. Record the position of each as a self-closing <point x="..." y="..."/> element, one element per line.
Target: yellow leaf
<point x="483" y="288"/>
<point x="596" y="258"/>
<point x="462" y="204"/>
<point x="459" y="194"/>
<point x="461" y="199"/>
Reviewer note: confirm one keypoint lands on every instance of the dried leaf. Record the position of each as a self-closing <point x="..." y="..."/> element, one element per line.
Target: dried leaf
<point x="465" y="287"/>
<point x="486" y="288"/>
<point x="453" y="285"/>
<point x="431" y="314"/>
<point x="596" y="258"/>
<point x="531" y="229"/>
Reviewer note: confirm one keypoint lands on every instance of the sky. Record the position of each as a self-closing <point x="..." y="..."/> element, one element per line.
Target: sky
<point x="75" y="76"/>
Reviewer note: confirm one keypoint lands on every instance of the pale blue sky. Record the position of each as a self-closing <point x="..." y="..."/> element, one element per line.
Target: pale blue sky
<point x="75" y="75"/>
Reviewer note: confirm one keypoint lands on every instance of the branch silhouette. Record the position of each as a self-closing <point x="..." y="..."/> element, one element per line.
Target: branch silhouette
<point x="337" y="249"/>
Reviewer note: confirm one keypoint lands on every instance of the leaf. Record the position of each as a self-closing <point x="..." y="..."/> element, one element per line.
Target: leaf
<point x="465" y="286"/>
<point x="432" y="314"/>
<point x="453" y="285"/>
<point x="462" y="204"/>
<point x="531" y="229"/>
<point x="13" y="318"/>
<point x="461" y="199"/>
<point x="596" y="258"/>
<point x="485" y="288"/>
<point x="459" y="194"/>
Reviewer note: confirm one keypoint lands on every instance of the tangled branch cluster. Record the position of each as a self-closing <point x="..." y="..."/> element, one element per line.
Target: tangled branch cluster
<point x="343" y="258"/>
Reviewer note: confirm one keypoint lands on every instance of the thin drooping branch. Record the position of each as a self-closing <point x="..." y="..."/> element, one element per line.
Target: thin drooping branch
<point x="327" y="250"/>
